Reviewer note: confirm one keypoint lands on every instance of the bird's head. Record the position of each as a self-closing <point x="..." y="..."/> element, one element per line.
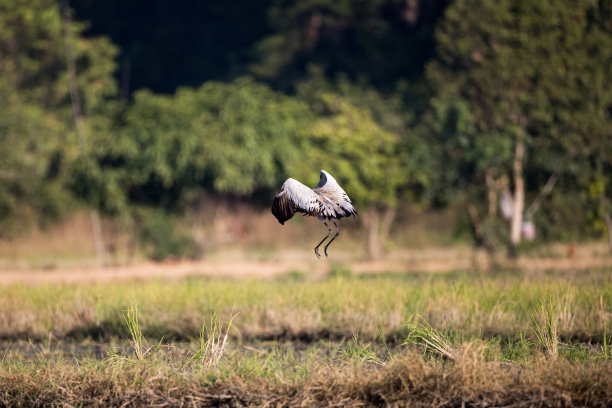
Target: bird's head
<point x="325" y="178"/>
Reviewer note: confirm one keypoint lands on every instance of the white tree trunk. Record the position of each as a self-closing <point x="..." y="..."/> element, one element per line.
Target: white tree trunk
<point x="197" y="210"/>
<point x="98" y="238"/>
<point x="378" y="225"/>
<point x="371" y="220"/>
<point x="78" y="123"/>
<point x="608" y="220"/>
<point x="518" y="201"/>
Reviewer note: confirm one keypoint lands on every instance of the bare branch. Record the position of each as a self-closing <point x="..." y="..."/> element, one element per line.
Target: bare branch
<point x="550" y="184"/>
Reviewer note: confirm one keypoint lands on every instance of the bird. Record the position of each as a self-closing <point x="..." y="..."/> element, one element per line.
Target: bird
<point x="327" y="201"/>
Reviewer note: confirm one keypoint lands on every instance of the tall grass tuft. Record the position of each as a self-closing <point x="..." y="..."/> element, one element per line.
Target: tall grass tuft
<point x="358" y="352"/>
<point x="213" y="339"/>
<point x="545" y="327"/>
<point x="130" y="316"/>
<point x="423" y="335"/>
<point x="137" y="340"/>
<point x="604" y="347"/>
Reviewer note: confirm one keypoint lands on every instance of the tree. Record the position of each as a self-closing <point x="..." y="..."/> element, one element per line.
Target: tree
<point x="193" y="41"/>
<point x="363" y="157"/>
<point x="36" y="142"/>
<point x="506" y="64"/>
<point x="363" y="139"/>
<point x="169" y="152"/>
<point x="29" y="162"/>
<point x="231" y="138"/>
<point x="587" y="114"/>
<point x="380" y="41"/>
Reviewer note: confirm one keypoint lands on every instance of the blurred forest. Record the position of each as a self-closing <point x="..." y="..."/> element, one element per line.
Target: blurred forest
<point x="142" y="112"/>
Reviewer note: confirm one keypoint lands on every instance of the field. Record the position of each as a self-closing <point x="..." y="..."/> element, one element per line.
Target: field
<point x="516" y="337"/>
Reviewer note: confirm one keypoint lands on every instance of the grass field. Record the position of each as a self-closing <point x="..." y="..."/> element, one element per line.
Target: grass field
<point x="509" y="338"/>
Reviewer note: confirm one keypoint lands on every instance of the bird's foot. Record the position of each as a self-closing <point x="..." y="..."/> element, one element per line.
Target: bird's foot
<point x="317" y="253"/>
<point x="325" y="251"/>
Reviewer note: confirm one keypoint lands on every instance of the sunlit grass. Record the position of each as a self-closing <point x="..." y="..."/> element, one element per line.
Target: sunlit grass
<point x="545" y="326"/>
<point x="421" y="334"/>
<point x="133" y="325"/>
<point x="213" y="339"/>
<point x="346" y="340"/>
<point x="499" y="305"/>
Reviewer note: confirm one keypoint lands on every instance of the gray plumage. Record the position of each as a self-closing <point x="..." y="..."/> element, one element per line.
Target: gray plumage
<point x="327" y="201"/>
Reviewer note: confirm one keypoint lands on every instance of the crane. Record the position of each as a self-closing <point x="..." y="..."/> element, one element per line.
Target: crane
<point x="327" y="201"/>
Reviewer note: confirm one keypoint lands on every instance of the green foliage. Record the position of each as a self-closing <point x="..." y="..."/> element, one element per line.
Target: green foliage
<point x="234" y="138"/>
<point x="29" y="158"/>
<point x="358" y="152"/>
<point x="165" y="46"/>
<point x="381" y="41"/>
<point x="253" y="136"/>
<point x="359" y="106"/>
<point x="370" y="134"/>
<point x="37" y="145"/>
<point x="566" y="216"/>
<point x="160" y="240"/>
<point x="513" y="71"/>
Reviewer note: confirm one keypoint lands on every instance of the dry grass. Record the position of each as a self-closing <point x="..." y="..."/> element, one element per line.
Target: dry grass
<point x="422" y="334"/>
<point x="339" y="341"/>
<point x="410" y="381"/>
<point x="407" y="380"/>
<point x="213" y="340"/>
<point x="298" y="308"/>
<point x="545" y="327"/>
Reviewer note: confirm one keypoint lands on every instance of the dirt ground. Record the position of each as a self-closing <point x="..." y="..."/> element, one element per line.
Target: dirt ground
<point x="260" y="247"/>
<point x="240" y="265"/>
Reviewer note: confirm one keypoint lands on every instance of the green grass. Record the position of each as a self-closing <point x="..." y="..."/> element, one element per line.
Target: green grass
<point x="421" y="334"/>
<point x="473" y="304"/>
<point x="213" y="340"/>
<point x="349" y="339"/>
<point x="546" y="323"/>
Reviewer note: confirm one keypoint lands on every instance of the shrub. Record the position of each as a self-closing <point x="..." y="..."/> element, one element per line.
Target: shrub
<point x="160" y="240"/>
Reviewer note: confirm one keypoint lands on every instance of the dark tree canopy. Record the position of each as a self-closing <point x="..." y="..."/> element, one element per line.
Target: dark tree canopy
<point x="166" y="44"/>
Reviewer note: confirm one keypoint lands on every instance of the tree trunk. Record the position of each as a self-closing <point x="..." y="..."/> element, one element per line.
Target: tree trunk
<point x="491" y="192"/>
<point x="78" y="123"/>
<point x="385" y="226"/>
<point x="546" y="190"/>
<point x="372" y="223"/>
<point x="378" y="225"/>
<point x="98" y="238"/>
<point x="196" y="224"/>
<point x="518" y="201"/>
<point x="608" y="220"/>
<point x="478" y="233"/>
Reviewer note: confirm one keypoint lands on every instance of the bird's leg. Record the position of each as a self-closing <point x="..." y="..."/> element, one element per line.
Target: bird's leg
<point x="323" y="240"/>
<point x="334" y="237"/>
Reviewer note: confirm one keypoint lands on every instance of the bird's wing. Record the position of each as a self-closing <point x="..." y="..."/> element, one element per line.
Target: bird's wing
<point x="336" y="199"/>
<point x="296" y="197"/>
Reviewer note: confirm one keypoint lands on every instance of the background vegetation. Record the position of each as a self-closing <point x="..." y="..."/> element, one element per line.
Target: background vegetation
<point x="498" y="110"/>
<point x="142" y="121"/>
